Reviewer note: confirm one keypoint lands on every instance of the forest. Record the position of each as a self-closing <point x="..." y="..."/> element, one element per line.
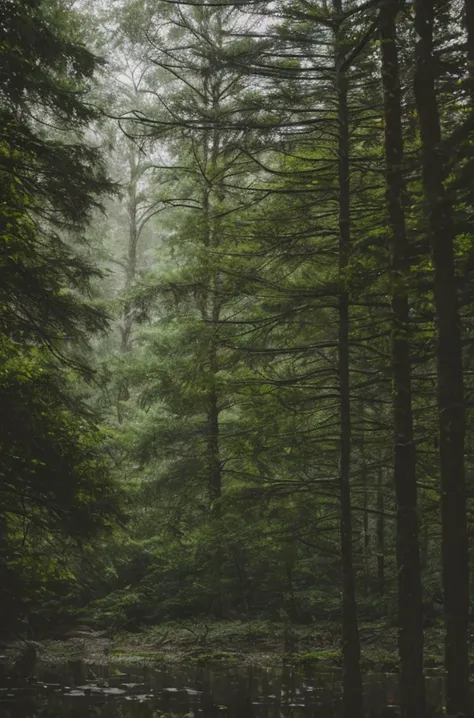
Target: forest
<point x="237" y="335"/>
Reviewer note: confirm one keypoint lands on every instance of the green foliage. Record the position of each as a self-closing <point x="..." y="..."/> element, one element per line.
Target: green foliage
<point x="55" y="486"/>
<point x="217" y="385"/>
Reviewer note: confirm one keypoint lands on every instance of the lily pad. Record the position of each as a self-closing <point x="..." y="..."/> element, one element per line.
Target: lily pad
<point x="114" y="691"/>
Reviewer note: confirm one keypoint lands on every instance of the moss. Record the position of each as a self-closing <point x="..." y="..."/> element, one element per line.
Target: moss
<point x="258" y="643"/>
<point x="332" y="656"/>
<point x="61" y="649"/>
<point x="379" y="660"/>
<point x="213" y="657"/>
<point x="134" y="655"/>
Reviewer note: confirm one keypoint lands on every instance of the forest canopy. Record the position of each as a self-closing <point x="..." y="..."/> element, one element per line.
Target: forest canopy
<point x="236" y="299"/>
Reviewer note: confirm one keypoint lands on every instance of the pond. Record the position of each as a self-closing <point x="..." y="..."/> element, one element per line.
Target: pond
<point x="76" y="690"/>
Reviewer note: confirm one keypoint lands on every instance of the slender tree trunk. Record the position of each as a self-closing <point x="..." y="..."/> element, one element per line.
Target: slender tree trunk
<point x="210" y="311"/>
<point x="131" y="266"/>
<point x="215" y="489"/>
<point x="365" y="518"/>
<point x="215" y="478"/>
<point x="128" y="315"/>
<point x="4" y="572"/>
<point x="451" y="411"/>
<point x="425" y="537"/>
<point x="410" y="609"/>
<point x="211" y="314"/>
<point x="139" y="214"/>
<point x="352" y="681"/>
<point x="381" y="533"/>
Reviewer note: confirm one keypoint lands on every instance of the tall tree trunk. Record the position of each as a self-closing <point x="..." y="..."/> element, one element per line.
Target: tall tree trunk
<point x="380" y="533"/>
<point x="424" y="536"/>
<point x="215" y="490"/>
<point x="410" y="608"/>
<point x="351" y="679"/>
<point x="428" y="517"/>
<point x="131" y="263"/>
<point x="210" y="311"/>
<point x="215" y="478"/>
<point x="365" y="516"/>
<point x="128" y="314"/>
<point x="451" y="411"/>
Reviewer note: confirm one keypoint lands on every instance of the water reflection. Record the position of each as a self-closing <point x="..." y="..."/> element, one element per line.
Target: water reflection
<point x="196" y="692"/>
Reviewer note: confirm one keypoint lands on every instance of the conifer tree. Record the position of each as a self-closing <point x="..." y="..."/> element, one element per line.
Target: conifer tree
<point x="53" y="474"/>
<point x="451" y="409"/>
<point x="408" y="552"/>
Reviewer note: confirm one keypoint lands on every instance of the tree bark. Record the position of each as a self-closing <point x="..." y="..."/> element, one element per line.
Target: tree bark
<point x="365" y="517"/>
<point x="128" y="314"/>
<point x="410" y="607"/>
<point x="215" y="478"/>
<point x="210" y="308"/>
<point x="381" y="534"/>
<point x="451" y="411"/>
<point x="351" y="679"/>
<point x="131" y="265"/>
<point x="210" y="312"/>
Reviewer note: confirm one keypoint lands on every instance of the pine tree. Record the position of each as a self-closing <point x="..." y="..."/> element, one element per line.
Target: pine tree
<point x="412" y="681"/>
<point x="53" y="477"/>
<point x="451" y="410"/>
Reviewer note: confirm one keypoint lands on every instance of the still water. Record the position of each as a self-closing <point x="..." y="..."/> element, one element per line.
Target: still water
<point x="73" y="691"/>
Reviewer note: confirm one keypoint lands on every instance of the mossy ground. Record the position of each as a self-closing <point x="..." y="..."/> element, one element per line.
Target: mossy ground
<point x="261" y="643"/>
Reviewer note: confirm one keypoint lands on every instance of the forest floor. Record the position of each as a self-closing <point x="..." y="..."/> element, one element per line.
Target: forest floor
<point x="259" y="643"/>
